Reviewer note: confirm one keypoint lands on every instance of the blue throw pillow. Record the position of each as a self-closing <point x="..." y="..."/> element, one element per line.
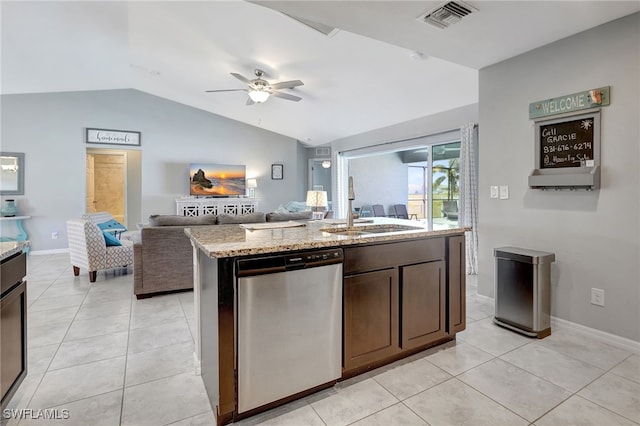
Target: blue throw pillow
<point x="111" y="239"/>
<point x="112" y="224"/>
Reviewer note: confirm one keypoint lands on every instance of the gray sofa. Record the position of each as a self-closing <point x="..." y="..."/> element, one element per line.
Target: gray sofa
<point x="163" y="256"/>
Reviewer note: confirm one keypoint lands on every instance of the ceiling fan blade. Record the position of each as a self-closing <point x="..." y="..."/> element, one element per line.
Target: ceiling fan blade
<point x="250" y="101"/>
<point x="226" y="90"/>
<point x="286" y="96"/>
<point x="240" y="77"/>
<point x="287" y="84"/>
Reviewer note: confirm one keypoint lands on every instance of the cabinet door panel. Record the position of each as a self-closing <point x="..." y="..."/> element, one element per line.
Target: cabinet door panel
<point x="370" y="317"/>
<point x="13" y="337"/>
<point x="423" y="303"/>
<point x="457" y="284"/>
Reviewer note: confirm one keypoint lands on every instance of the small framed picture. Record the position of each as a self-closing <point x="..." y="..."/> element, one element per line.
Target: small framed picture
<point x="277" y="171"/>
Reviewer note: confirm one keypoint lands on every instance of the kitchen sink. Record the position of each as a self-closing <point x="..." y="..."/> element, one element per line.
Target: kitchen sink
<point x="371" y="229"/>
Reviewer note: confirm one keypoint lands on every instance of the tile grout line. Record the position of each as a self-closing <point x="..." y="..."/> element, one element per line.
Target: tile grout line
<point x="126" y="360"/>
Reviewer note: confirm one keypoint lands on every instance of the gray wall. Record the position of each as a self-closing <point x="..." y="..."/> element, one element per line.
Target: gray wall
<point x="49" y="129"/>
<point x="595" y="235"/>
<point x="379" y="179"/>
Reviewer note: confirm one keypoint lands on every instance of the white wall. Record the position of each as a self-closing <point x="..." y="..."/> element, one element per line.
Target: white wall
<point x="379" y="179"/>
<point x="49" y="129"/>
<point x="595" y="235"/>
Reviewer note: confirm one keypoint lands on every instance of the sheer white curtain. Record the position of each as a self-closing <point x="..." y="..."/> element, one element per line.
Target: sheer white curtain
<point x="340" y="179"/>
<point x="468" y="215"/>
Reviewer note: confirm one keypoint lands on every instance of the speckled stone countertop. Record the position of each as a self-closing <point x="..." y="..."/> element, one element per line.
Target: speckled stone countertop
<point x="9" y="248"/>
<point x="219" y="241"/>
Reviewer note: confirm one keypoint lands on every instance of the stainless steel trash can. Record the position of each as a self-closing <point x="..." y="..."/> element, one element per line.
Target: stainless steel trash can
<point x="523" y="290"/>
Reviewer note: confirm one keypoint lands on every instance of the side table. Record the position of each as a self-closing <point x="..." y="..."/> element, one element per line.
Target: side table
<point x="22" y="234"/>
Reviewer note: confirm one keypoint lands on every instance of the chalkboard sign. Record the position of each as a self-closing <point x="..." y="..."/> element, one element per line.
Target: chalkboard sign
<point x="568" y="143"/>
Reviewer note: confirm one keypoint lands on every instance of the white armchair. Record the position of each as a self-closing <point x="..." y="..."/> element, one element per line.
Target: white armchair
<point x="101" y="217"/>
<point x="88" y="249"/>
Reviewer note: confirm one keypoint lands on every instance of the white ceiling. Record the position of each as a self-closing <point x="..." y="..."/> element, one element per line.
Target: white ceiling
<point x="358" y="79"/>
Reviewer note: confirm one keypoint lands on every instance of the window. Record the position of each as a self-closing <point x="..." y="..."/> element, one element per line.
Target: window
<point x="434" y="186"/>
<point x="418" y="202"/>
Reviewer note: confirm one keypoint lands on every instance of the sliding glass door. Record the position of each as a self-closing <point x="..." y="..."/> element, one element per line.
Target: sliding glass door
<point x="434" y="186"/>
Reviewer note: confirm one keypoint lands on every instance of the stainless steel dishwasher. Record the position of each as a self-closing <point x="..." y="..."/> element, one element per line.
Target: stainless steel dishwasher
<point x="289" y="325"/>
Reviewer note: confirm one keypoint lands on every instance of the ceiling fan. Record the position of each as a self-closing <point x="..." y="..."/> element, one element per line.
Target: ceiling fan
<point x="260" y="90"/>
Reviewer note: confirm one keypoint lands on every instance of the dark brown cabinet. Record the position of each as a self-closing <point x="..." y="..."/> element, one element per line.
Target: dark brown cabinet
<point x="457" y="284"/>
<point x="397" y="300"/>
<point x="370" y="317"/>
<point x="13" y="326"/>
<point x="423" y="303"/>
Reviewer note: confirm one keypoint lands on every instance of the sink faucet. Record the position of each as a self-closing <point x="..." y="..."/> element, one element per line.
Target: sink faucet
<point x="352" y="196"/>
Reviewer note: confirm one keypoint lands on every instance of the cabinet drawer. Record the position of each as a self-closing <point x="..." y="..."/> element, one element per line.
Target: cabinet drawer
<point x="369" y="258"/>
<point x="12" y="271"/>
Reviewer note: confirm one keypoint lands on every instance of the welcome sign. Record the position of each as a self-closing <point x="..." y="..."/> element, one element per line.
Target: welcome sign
<point x="569" y="103"/>
<point x="113" y="137"/>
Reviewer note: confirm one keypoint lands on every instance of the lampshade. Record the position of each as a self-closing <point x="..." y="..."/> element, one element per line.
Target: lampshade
<point x="317" y="199"/>
<point x="326" y="164"/>
<point x="252" y="183"/>
<point x="258" y="96"/>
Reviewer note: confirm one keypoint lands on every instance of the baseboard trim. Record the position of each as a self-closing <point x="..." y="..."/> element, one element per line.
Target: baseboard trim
<point x="608" y="338"/>
<point x="52" y="251"/>
<point x="602" y="336"/>
<point x="485" y="298"/>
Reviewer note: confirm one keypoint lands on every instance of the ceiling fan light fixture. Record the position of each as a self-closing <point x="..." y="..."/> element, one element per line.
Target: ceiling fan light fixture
<point x="258" y="96"/>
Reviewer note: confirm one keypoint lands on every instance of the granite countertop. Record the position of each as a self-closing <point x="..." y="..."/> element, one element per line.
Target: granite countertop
<point x="221" y="241"/>
<point x="9" y="248"/>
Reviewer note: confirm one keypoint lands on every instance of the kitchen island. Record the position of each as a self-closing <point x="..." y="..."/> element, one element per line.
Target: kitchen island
<point x="401" y="290"/>
<point x="13" y="318"/>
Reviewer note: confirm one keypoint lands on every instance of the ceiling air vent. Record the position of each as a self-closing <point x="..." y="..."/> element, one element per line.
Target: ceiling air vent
<point x="448" y="14"/>
<point x="323" y="151"/>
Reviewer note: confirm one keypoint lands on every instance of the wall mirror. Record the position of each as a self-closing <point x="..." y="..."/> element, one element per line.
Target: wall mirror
<point x="11" y="173"/>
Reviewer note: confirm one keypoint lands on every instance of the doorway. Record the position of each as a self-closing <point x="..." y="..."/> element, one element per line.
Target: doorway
<point x="113" y="184"/>
<point x="320" y="175"/>
<point x="106" y="184"/>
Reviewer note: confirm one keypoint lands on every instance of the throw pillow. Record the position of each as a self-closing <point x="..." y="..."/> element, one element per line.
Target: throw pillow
<point x="111" y="239"/>
<point x="176" y="220"/>
<point x="111" y="224"/>
<point x="283" y="217"/>
<point x="257" y="217"/>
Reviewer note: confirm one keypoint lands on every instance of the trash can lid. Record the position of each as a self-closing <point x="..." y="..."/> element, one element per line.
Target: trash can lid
<point x="524" y="255"/>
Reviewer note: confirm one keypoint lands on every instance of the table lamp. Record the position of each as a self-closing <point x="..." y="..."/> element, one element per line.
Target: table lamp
<point x="317" y="200"/>
<point x="252" y="184"/>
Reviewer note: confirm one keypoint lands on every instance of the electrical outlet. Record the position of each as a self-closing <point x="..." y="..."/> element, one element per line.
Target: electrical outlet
<point x="597" y="296"/>
<point x="54" y="235"/>
<point x="504" y="192"/>
<point x="494" y="191"/>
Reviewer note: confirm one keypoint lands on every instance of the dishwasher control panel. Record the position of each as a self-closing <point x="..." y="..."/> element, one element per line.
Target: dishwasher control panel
<point x="286" y="262"/>
<point x="311" y="258"/>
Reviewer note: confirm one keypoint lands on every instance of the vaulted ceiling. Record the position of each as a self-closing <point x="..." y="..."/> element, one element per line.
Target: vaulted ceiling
<point x="382" y="65"/>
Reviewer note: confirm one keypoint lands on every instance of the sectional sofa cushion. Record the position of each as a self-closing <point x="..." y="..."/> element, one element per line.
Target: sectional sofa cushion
<point x="283" y="217"/>
<point x="257" y="217"/>
<point x="175" y="220"/>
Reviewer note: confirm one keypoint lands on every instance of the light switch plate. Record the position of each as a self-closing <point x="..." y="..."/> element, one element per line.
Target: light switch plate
<point x="504" y="192"/>
<point x="494" y="192"/>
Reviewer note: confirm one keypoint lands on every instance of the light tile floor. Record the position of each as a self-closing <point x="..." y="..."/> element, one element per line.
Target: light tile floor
<point x="109" y="359"/>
